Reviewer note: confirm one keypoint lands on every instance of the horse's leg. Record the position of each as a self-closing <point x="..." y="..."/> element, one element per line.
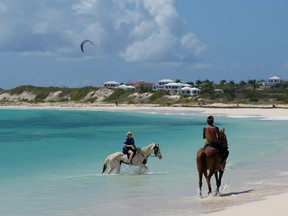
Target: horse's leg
<point x="118" y="168"/>
<point x="111" y="169"/>
<point x="217" y="182"/>
<point x="112" y="166"/>
<point x="208" y="180"/>
<point x="200" y="174"/>
<point x="144" y="167"/>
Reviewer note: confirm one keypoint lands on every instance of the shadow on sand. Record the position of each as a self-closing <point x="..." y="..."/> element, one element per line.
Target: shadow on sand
<point x="236" y="193"/>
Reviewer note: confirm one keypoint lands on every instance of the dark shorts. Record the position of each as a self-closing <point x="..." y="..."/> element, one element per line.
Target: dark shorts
<point x="126" y="149"/>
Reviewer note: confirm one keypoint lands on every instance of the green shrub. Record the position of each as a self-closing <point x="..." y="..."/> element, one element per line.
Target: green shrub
<point x="118" y="95"/>
<point x="157" y="95"/>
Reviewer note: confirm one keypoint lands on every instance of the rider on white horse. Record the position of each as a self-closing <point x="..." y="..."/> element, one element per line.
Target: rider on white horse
<point x="140" y="158"/>
<point x="129" y="147"/>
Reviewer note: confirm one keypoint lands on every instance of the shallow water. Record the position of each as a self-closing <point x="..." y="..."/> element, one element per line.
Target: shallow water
<point x="51" y="162"/>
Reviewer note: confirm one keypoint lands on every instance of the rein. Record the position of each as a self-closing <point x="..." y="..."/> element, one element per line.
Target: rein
<point x="141" y="154"/>
<point x="150" y="155"/>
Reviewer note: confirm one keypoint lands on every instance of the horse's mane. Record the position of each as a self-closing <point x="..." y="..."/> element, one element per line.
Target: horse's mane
<point x="146" y="148"/>
<point x="223" y="137"/>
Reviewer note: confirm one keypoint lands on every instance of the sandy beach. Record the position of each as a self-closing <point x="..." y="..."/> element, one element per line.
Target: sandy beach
<point x="272" y="205"/>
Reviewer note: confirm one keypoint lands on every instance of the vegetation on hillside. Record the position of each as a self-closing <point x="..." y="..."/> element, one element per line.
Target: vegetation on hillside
<point x="67" y="94"/>
<point x="243" y="92"/>
<point x="222" y="92"/>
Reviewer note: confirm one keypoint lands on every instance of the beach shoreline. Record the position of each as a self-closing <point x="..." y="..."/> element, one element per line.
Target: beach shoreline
<point x="213" y="109"/>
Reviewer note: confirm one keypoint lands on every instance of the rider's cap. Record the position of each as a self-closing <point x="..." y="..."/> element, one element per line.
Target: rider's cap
<point x="210" y="119"/>
<point x="129" y="133"/>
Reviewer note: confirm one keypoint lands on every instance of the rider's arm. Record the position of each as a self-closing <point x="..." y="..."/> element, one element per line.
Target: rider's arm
<point x="217" y="132"/>
<point x="128" y="145"/>
<point x="204" y="135"/>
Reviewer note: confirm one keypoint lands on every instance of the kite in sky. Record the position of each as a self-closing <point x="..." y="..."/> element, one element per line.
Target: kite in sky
<point x="82" y="44"/>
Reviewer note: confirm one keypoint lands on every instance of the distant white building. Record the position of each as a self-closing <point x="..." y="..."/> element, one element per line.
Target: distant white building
<point x="273" y="80"/>
<point x="175" y="88"/>
<point x="189" y="91"/>
<point x="161" y="84"/>
<point x="111" y="84"/>
<point x="127" y="87"/>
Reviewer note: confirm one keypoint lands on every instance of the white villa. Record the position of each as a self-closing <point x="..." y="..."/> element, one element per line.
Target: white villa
<point x="126" y="87"/>
<point x="115" y="85"/>
<point x="175" y="88"/>
<point x="111" y="84"/>
<point x="161" y="84"/>
<point x="273" y="80"/>
<point x="189" y="91"/>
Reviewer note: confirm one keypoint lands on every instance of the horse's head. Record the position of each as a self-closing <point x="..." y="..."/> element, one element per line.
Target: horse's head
<point x="223" y="137"/>
<point x="157" y="151"/>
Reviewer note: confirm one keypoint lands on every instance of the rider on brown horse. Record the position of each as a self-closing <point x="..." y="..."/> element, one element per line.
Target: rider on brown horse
<point x="211" y="134"/>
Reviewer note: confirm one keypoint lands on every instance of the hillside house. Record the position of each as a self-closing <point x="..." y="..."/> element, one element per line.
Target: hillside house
<point x="176" y="88"/>
<point x="126" y="87"/>
<point x="111" y="84"/>
<point x="273" y="81"/>
<point x="161" y="84"/>
<point x="189" y="91"/>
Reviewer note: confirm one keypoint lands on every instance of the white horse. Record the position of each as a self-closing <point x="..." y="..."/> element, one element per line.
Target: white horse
<point x="140" y="158"/>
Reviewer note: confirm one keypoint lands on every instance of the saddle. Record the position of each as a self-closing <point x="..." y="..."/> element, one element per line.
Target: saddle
<point x="216" y="146"/>
<point x="135" y="152"/>
<point x="220" y="150"/>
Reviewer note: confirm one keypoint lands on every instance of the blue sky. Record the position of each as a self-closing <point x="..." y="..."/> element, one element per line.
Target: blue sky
<point x="141" y="40"/>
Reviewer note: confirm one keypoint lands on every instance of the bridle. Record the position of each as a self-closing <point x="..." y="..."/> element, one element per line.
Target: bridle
<point x="156" y="151"/>
<point x="223" y="138"/>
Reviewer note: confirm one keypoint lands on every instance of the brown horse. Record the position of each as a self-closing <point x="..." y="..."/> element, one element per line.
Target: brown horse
<point x="208" y="158"/>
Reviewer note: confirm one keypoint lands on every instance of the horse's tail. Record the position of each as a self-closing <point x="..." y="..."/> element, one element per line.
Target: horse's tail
<point x="204" y="162"/>
<point x="105" y="164"/>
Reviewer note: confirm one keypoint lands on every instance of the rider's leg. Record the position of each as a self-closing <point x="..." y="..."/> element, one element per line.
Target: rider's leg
<point x="131" y="154"/>
<point x="226" y="154"/>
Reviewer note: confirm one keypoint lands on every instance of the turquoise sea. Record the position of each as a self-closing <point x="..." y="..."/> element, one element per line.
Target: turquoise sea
<point x="51" y="162"/>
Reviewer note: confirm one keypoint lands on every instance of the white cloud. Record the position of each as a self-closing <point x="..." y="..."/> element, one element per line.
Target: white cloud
<point x="137" y="31"/>
<point x="192" y="44"/>
<point x="158" y="47"/>
<point x="85" y="6"/>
